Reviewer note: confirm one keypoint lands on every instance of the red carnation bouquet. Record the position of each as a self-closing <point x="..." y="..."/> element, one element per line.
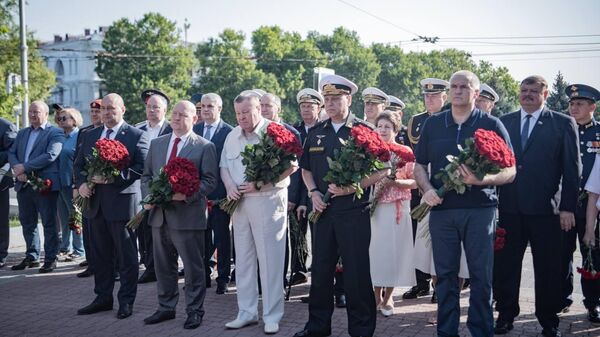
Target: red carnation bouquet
<point x="362" y="154"/>
<point x="109" y="157"/>
<point x="485" y="153"/>
<point x="588" y="270"/>
<point x="180" y="175"/>
<point x="267" y="160"/>
<point x="500" y="239"/>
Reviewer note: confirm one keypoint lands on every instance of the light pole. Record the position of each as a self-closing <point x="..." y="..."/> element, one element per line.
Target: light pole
<point x="24" y="73"/>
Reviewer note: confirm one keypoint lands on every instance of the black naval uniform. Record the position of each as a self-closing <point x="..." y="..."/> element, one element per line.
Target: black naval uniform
<point x="344" y="229"/>
<point x="402" y="137"/>
<point x="589" y="146"/>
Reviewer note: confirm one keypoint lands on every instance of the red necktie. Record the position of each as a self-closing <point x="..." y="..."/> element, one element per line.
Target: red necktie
<point x="174" y="149"/>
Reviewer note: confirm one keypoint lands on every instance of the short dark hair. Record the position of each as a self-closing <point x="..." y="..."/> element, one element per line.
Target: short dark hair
<point x="535" y="79"/>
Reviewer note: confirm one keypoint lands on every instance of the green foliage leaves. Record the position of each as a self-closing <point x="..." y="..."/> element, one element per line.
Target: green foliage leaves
<point x="558" y="100"/>
<point x="156" y="58"/>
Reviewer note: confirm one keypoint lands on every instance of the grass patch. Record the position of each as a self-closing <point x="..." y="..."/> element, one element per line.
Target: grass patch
<point x="13" y="221"/>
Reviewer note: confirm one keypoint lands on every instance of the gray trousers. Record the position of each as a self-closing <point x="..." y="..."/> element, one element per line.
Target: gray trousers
<point x="189" y="244"/>
<point x="475" y="229"/>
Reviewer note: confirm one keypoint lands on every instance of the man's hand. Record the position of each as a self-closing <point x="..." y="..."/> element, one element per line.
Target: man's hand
<point x="338" y="191"/>
<point x="247" y="187"/>
<point x="18" y="169"/>
<point x="301" y="212"/>
<point x="431" y="198"/>
<point x="148" y="207"/>
<point x="567" y="220"/>
<point x="178" y="197"/>
<point x="467" y="176"/>
<point x="85" y="191"/>
<point x="291" y="206"/>
<point x="75" y="193"/>
<point x="22" y="177"/>
<point x="317" y="201"/>
<point x="589" y="239"/>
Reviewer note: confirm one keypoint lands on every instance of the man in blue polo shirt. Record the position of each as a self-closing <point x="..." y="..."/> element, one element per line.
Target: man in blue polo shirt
<point x="468" y="218"/>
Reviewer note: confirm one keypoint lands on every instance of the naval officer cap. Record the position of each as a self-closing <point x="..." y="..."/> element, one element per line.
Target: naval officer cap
<point x="434" y="85"/>
<point x="252" y="92"/>
<point x="146" y="94"/>
<point x="96" y="104"/>
<point x="374" y="95"/>
<point x="582" y="91"/>
<point x="395" y="104"/>
<point x="196" y="98"/>
<point x="337" y="85"/>
<point x="309" y="95"/>
<point x="489" y="93"/>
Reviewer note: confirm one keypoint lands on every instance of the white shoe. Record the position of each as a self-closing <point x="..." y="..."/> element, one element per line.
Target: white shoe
<point x="271" y="328"/>
<point x="240" y="323"/>
<point x="386" y="312"/>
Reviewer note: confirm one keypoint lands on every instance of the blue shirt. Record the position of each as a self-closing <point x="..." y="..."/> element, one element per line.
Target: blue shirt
<point x="33" y="135"/>
<point x="440" y="137"/>
<point x="66" y="158"/>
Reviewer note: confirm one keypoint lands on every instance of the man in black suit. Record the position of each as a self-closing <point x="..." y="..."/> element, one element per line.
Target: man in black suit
<point x="537" y="206"/>
<point x="155" y="126"/>
<point x="35" y="152"/>
<point x="112" y="204"/>
<point x="214" y="129"/>
<point x="8" y="133"/>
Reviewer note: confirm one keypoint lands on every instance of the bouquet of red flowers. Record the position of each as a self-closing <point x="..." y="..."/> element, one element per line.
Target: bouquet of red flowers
<point x="363" y="153"/>
<point x="485" y="153"/>
<point x="180" y="175"/>
<point x="44" y="186"/>
<point x="500" y="238"/>
<point x="267" y="160"/>
<point x="588" y="270"/>
<point x="108" y="158"/>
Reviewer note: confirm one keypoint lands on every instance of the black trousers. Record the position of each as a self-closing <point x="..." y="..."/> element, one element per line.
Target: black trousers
<point x="544" y="235"/>
<point x="347" y="233"/>
<point x="144" y="236"/>
<point x="110" y="239"/>
<point x="218" y="237"/>
<point x="86" y="231"/>
<point x="590" y="288"/>
<point x="4" y="229"/>
<point x="422" y="278"/>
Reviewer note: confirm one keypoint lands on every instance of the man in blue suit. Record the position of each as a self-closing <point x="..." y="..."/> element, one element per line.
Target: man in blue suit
<point x="8" y="133"/>
<point x="34" y="153"/>
<point x="112" y="203"/>
<point x="214" y="129"/>
<point x="537" y="206"/>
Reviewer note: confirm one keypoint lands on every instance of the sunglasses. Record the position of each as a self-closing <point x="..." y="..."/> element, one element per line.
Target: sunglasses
<point x="63" y="118"/>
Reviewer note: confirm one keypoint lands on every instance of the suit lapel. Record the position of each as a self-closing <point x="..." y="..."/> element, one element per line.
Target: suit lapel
<point x="189" y="145"/>
<point x="540" y="123"/>
<point x="162" y="146"/>
<point x="201" y="129"/>
<point x="42" y="134"/>
<point x="122" y="132"/>
<point x="23" y="147"/>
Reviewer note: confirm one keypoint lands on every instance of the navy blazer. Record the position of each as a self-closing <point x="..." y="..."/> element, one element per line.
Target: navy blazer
<point x="43" y="157"/>
<point x="118" y="201"/>
<point x="548" y="168"/>
<point x="218" y="138"/>
<point x="8" y="133"/>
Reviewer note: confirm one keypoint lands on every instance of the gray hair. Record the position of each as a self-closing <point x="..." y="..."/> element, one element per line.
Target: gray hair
<point x="470" y="76"/>
<point x="42" y="104"/>
<point x="211" y="96"/>
<point x="247" y="95"/>
<point x="162" y="99"/>
<point x="272" y="97"/>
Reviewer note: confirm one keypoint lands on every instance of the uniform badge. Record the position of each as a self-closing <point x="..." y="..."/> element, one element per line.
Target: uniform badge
<point x="319" y="139"/>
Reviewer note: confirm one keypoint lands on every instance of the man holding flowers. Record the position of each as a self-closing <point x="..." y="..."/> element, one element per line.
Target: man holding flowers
<point x="179" y="226"/>
<point x="466" y="211"/>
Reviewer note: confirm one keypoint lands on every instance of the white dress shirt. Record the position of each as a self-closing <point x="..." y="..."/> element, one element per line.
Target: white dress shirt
<point x="114" y="128"/>
<point x="153" y="132"/>
<point x="534" y="118"/>
<point x="184" y="139"/>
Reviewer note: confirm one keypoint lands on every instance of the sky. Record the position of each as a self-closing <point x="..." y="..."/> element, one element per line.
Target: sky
<point x="526" y="36"/>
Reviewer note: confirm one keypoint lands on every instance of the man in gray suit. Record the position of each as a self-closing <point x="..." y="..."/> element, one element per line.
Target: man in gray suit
<point x="180" y="229"/>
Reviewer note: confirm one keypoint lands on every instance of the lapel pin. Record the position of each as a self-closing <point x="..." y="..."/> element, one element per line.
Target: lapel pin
<point x="540" y="123"/>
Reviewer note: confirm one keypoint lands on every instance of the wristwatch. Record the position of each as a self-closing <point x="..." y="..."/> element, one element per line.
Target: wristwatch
<point x="311" y="192"/>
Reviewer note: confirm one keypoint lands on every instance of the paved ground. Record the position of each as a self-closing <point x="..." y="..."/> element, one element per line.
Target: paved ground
<point x="33" y="304"/>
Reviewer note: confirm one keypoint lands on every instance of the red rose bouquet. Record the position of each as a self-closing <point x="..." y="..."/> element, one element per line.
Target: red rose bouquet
<point x="500" y="239"/>
<point x="485" y="153"/>
<point x="363" y="153"/>
<point x="44" y="186"/>
<point x="588" y="270"/>
<point x="267" y="160"/>
<point x="180" y="175"/>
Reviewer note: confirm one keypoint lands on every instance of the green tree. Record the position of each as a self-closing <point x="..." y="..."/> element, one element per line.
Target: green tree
<point x="145" y="54"/>
<point x="503" y="83"/>
<point x="227" y="68"/>
<point x="41" y="79"/>
<point x="558" y="100"/>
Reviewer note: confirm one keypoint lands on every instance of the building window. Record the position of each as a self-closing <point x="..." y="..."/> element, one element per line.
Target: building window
<point x="59" y="68"/>
<point x="75" y="66"/>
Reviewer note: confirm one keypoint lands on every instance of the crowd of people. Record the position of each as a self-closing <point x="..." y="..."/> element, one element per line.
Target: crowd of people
<point x="547" y="200"/>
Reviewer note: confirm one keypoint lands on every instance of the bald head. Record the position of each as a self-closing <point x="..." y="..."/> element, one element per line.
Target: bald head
<point x="38" y="113"/>
<point x="183" y="118"/>
<point x="113" y="109"/>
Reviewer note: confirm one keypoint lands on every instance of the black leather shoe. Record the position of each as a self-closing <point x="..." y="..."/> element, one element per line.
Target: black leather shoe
<point x="221" y="288"/>
<point x="125" y="310"/>
<point x="2" y="264"/>
<point x="193" y="321"/>
<point x="415" y="292"/>
<point x="434" y="297"/>
<point x="305" y="299"/>
<point x="96" y="306"/>
<point x="298" y="278"/>
<point x="85" y="273"/>
<point x="308" y="333"/>
<point x="159" y="316"/>
<point x="551" y="332"/>
<point x="147" y="277"/>
<point x="502" y="327"/>
<point x="466" y="284"/>
<point x="117" y="276"/>
<point x="48" y="267"/>
<point x="594" y="315"/>
<point x="84" y="263"/>
<point x="340" y="301"/>
<point x="26" y="263"/>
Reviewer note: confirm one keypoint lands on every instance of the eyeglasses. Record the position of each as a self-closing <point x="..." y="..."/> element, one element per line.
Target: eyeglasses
<point x="63" y="118"/>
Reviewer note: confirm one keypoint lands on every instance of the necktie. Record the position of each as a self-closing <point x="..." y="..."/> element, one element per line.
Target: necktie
<point x="174" y="149"/>
<point x="525" y="131"/>
<point x="207" y="132"/>
<point x="108" y="133"/>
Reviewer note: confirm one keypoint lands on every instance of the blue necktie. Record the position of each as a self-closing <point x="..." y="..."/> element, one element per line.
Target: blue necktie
<point x="525" y="132"/>
<point x="207" y="134"/>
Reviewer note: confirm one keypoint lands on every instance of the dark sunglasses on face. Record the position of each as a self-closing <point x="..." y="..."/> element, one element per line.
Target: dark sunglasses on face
<point x="63" y="118"/>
